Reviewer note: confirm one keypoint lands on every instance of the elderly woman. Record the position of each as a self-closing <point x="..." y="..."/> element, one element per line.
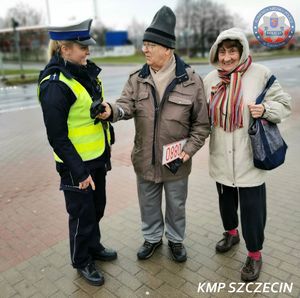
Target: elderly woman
<point x="231" y="90"/>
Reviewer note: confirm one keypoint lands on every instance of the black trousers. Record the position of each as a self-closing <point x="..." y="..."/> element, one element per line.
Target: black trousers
<point x="85" y="209"/>
<point x="252" y="209"/>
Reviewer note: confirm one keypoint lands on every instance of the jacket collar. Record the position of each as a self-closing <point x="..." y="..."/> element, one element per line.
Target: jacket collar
<point x="180" y="71"/>
<point x="70" y="70"/>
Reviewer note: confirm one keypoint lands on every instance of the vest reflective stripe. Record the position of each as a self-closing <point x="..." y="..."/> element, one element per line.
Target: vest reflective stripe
<point x="87" y="138"/>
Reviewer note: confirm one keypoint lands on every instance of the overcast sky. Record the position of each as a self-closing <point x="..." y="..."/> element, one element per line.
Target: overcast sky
<point x="118" y="14"/>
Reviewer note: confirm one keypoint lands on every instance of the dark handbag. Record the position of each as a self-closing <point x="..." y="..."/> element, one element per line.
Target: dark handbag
<point x="268" y="146"/>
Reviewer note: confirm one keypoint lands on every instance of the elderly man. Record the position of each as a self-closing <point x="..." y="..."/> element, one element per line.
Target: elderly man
<point x="166" y="100"/>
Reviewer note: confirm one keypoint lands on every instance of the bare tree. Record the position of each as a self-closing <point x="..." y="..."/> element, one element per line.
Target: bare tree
<point x="1" y="23"/>
<point x="99" y="30"/>
<point x="204" y="20"/>
<point x="24" y="14"/>
<point x="239" y="21"/>
<point x="135" y="33"/>
<point x="184" y="12"/>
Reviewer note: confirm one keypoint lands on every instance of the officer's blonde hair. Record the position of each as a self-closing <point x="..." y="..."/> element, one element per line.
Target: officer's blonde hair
<point x="55" y="45"/>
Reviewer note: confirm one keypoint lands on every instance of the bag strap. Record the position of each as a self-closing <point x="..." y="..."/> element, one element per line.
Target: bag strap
<point x="261" y="96"/>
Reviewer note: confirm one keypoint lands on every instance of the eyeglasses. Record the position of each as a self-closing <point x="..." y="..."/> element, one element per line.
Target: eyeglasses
<point x="148" y="46"/>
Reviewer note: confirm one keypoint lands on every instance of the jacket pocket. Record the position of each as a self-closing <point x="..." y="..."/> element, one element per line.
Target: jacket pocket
<point x="68" y="183"/>
<point x="142" y="105"/>
<point x="178" y="109"/>
<point x="180" y="101"/>
<point x="142" y="96"/>
<point x="176" y="116"/>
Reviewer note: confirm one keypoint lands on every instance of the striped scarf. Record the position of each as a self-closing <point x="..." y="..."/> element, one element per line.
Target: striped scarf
<point x="226" y="104"/>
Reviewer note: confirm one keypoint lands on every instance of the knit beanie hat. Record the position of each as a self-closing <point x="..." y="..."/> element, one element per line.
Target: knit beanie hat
<point x="162" y="28"/>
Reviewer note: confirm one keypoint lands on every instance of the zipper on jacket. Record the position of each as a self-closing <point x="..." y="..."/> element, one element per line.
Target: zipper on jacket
<point x="71" y="178"/>
<point x="233" y="157"/>
<point x="105" y="125"/>
<point x="156" y="108"/>
<point x="170" y="87"/>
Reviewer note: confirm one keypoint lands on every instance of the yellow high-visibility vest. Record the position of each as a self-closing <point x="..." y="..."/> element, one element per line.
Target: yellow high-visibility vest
<point x="88" y="138"/>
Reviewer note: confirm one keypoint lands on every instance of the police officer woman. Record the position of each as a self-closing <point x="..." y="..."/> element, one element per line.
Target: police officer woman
<point x="67" y="87"/>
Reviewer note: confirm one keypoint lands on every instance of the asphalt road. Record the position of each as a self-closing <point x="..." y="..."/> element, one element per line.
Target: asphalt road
<point x="114" y="77"/>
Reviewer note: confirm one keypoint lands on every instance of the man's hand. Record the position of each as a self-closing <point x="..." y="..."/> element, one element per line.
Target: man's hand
<point x="184" y="156"/>
<point x="86" y="183"/>
<point x="106" y="114"/>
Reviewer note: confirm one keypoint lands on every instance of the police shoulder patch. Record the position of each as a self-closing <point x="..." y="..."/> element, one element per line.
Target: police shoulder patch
<point x="54" y="77"/>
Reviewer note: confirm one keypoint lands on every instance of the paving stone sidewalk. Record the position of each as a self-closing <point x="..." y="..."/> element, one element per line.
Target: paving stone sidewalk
<point x="34" y="252"/>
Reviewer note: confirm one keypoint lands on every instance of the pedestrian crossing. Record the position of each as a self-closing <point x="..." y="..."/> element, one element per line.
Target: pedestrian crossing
<point x="14" y="98"/>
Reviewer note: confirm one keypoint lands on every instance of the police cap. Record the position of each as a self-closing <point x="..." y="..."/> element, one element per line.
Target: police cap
<point x="79" y="33"/>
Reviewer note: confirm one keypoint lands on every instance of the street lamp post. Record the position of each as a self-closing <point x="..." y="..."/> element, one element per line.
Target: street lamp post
<point x="2" y="67"/>
<point x="48" y="12"/>
<point x="15" y="24"/>
<point x="96" y="9"/>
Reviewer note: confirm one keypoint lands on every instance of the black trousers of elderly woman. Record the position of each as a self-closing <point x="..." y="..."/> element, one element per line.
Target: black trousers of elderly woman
<point x="252" y="209"/>
<point x="85" y="208"/>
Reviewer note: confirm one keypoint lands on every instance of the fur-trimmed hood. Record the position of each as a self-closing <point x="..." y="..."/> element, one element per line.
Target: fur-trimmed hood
<point x="233" y="34"/>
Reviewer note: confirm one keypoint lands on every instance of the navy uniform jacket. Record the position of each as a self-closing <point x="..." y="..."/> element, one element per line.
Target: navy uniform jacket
<point x="56" y="100"/>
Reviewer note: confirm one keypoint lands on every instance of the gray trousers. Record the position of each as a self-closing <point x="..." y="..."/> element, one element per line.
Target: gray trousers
<point x="150" y="199"/>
